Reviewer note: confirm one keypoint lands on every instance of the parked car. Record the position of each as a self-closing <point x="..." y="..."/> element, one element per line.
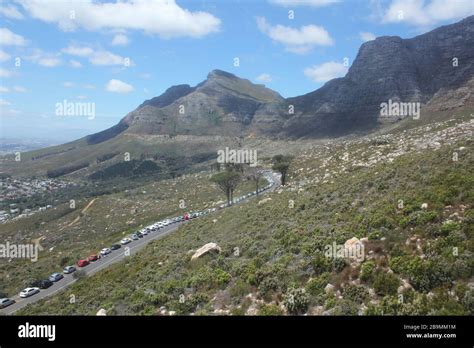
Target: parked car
<point x="105" y="251"/>
<point x="125" y="241"/>
<point x="5" y="302"/>
<point x="92" y="258"/>
<point x="29" y="292"/>
<point x="134" y="236"/>
<point x="115" y="247"/>
<point x="69" y="269"/>
<point x="82" y="263"/>
<point x="42" y="284"/>
<point x="55" y="277"/>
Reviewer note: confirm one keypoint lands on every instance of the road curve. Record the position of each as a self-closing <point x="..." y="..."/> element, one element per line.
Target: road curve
<point x="107" y="260"/>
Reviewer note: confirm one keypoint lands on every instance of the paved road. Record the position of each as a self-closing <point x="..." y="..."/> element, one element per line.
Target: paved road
<point x="106" y="261"/>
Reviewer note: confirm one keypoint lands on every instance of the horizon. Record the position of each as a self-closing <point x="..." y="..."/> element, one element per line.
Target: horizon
<point x="293" y="48"/>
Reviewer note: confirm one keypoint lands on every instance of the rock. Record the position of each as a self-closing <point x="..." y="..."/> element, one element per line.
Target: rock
<point x="364" y="240"/>
<point x="404" y="286"/>
<point x="316" y="310"/>
<point x="205" y="249"/>
<point x="424" y="206"/>
<point x="354" y="250"/>
<point x="329" y="289"/>
<point x="101" y="312"/>
<point x="372" y="293"/>
<point x="172" y="313"/>
<point x="263" y="201"/>
<point x="362" y="310"/>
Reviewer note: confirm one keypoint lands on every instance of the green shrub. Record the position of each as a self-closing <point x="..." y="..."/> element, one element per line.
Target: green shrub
<point x="316" y="285"/>
<point x="356" y="293"/>
<point x="367" y="271"/>
<point x="268" y="285"/>
<point x="346" y="307"/>
<point x="270" y="310"/>
<point x="296" y="301"/>
<point x="385" y="283"/>
<point x="468" y="301"/>
<point x="321" y="264"/>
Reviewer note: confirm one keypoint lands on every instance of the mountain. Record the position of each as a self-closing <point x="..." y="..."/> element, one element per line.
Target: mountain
<point x="223" y="105"/>
<point x="405" y="70"/>
<point x="435" y="69"/>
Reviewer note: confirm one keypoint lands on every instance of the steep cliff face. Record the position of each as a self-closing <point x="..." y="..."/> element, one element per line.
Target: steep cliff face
<point x="411" y="70"/>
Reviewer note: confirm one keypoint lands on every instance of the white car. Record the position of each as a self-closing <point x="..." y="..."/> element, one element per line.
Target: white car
<point x="125" y="241"/>
<point x="105" y="251"/>
<point x="29" y="292"/>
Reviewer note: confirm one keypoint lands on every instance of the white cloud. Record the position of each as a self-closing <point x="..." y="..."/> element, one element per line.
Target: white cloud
<point x="49" y="62"/>
<point x="107" y="58"/>
<point x="9" y="38"/>
<point x="160" y="17"/>
<point x="79" y="51"/>
<point x="4" y="89"/>
<point x="89" y="86"/>
<point x="294" y="3"/>
<point x="11" y="12"/>
<point x="265" y="78"/>
<point x="120" y="40"/>
<point x="81" y="97"/>
<point x="4" y="102"/>
<point x="117" y="86"/>
<point x="300" y="40"/>
<point x="97" y="56"/>
<point x="427" y="13"/>
<point x="326" y="71"/>
<point x="45" y="59"/>
<point x="75" y="64"/>
<point x="68" y="84"/>
<point x="4" y="56"/>
<point x="20" y="89"/>
<point x="6" y="73"/>
<point x="366" y="36"/>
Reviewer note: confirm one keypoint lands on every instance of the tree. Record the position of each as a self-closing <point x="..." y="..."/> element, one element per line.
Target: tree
<point x="281" y="164"/>
<point x="254" y="174"/>
<point x="227" y="182"/>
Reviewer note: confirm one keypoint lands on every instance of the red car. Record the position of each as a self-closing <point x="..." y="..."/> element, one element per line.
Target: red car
<point x="93" y="257"/>
<point x="82" y="263"/>
<point x="186" y="216"/>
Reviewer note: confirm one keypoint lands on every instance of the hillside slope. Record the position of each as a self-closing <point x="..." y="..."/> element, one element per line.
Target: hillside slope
<point x="404" y="195"/>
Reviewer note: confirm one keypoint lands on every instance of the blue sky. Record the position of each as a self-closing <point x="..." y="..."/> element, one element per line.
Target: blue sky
<point x="116" y="55"/>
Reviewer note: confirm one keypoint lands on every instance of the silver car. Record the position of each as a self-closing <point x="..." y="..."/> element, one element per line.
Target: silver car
<point x="5" y="302"/>
<point x="29" y="292"/>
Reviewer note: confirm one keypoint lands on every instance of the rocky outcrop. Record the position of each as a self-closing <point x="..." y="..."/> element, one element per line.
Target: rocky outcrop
<point x="205" y="249"/>
<point x="405" y="70"/>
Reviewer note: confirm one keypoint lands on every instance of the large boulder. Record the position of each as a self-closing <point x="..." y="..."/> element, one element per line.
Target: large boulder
<point x="101" y="312"/>
<point x="354" y="249"/>
<point x="205" y="249"/>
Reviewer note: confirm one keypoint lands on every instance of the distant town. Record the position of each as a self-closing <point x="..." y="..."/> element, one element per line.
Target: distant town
<point x="13" y="189"/>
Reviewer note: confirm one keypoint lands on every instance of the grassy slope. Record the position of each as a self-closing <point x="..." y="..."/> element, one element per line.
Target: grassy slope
<point x="106" y="221"/>
<point x="280" y="247"/>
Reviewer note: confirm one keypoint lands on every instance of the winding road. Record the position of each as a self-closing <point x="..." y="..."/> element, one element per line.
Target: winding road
<point x="111" y="258"/>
